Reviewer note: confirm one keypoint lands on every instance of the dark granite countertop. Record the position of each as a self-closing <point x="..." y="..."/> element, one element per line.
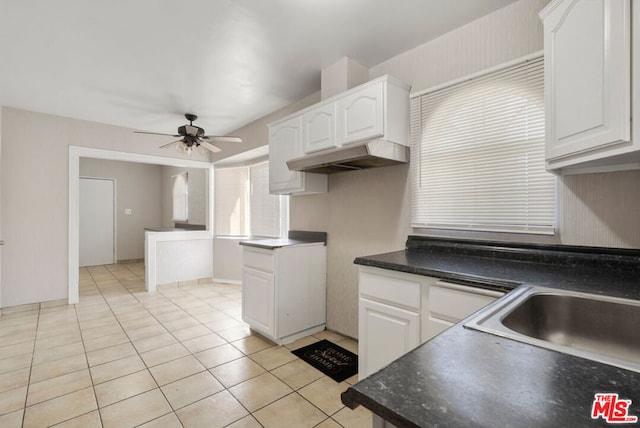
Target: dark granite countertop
<point x="609" y="272"/>
<point x="295" y="237"/>
<point x="465" y="377"/>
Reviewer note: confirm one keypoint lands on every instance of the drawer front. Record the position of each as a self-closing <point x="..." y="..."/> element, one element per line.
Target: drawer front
<point x="393" y="290"/>
<point x="258" y="259"/>
<point x="453" y="302"/>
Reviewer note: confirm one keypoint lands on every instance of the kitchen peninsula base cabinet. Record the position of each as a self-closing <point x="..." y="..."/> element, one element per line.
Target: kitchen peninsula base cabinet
<point x="388" y="317"/>
<point x="399" y="311"/>
<point x="284" y="290"/>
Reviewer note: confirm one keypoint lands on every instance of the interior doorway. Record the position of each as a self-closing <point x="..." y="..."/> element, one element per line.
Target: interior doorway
<point x="75" y="153"/>
<point x="97" y="222"/>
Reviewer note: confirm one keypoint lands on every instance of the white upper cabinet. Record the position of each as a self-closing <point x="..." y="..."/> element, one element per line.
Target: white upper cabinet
<point x="362" y="114"/>
<point x="319" y="128"/>
<point x="376" y="109"/>
<point x="285" y="143"/>
<point x="587" y="48"/>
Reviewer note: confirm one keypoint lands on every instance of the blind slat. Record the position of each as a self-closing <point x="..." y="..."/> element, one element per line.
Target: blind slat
<point x="477" y="154"/>
<point x="243" y="205"/>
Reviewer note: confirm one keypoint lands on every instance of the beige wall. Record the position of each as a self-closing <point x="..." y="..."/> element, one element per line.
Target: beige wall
<point x="1" y="235"/>
<point x="368" y="212"/>
<point x="197" y="182"/>
<point x="256" y="134"/>
<point x="35" y="200"/>
<point x="139" y="188"/>
<point x="365" y="212"/>
<point x="227" y="260"/>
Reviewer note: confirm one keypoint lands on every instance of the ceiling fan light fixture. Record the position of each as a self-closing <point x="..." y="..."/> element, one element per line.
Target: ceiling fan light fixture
<point x="194" y="137"/>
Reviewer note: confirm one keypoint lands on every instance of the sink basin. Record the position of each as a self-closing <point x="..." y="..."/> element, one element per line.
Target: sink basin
<point x="598" y="328"/>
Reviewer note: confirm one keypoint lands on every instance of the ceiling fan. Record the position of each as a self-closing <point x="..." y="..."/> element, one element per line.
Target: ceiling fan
<point x="193" y="137"/>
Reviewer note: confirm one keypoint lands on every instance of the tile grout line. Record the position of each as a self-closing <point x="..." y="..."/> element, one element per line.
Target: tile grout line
<point x="206" y="369"/>
<point x="93" y="386"/>
<point x="33" y="349"/>
<point x="137" y="353"/>
<point x="184" y="296"/>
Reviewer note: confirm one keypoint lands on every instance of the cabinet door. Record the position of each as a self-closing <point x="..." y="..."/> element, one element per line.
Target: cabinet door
<point x="451" y="303"/>
<point x="284" y="144"/>
<point x="258" y="300"/>
<point x="386" y="333"/>
<point x="361" y="114"/>
<point x="587" y="76"/>
<point x="319" y="128"/>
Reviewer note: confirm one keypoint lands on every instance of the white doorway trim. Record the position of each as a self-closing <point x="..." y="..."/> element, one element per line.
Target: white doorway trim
<point x="75" y="153"/>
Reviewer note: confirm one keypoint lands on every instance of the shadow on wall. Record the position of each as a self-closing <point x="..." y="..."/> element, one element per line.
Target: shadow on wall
<point x="365" y="212"/>
<point x="600" y="209"/>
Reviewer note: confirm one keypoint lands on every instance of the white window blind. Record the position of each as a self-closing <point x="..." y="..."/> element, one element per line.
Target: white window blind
<point x="243" y="205"/>
<point x="265" y="208"/>
<point x="477" y="154"/>
<point x="180" y="196"/>
<point x="231" y="201"/>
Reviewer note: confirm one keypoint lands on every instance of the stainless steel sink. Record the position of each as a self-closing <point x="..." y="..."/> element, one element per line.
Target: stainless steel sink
<point x="598" y="328"/>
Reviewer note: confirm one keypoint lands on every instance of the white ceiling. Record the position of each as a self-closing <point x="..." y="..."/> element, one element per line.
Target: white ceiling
<point x="143" y="63"/>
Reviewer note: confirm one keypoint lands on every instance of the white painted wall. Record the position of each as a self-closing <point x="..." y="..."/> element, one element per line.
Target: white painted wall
<point x="35" y="196"/>
<point x="197" y="195"/>
<point x="138" y="188"/>
<point x="368" y="212"/>
<point x="177" y="256"/>
<point x="593" y="209"/>
<point x="227" y="260"/>
<point x="1" y="236"/>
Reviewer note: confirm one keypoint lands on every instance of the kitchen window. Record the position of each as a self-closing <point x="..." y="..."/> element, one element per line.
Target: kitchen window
<point x="243" y="205"/>
<point x="477" y="154"/>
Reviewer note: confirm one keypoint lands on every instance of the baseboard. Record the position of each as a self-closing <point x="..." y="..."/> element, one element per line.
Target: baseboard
<point x="227" y="281"/>
<point x="128" y="261"/>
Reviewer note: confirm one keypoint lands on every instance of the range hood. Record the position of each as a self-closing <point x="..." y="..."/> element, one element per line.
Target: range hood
<point x="368" y="154"/>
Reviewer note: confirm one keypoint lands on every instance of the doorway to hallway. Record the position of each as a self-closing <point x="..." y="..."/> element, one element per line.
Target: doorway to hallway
<point x="97" y="222"/>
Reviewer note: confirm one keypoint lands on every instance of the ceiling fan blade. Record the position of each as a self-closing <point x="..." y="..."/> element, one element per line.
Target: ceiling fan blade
<point x="155" y="133"/>
<point x="171" y="144"/>
<point x="223" y="139"/>
<point x="210" y="147"/>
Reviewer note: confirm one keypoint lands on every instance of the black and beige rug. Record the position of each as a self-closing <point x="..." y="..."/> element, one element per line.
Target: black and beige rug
<point x="331" y="359"/>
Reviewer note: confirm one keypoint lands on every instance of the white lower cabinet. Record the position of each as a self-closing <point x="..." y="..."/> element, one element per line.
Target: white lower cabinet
<point x="258" y="299"/>
<point x="389" y="317"/>
<point x="284" y="291"/>
<point x="387" y="333"/>
<point x="450" y="303"/>
<point x="399" y="311"/>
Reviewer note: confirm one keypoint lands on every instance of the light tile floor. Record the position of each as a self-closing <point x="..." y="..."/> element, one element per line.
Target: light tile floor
<point x="180" y="357"/>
